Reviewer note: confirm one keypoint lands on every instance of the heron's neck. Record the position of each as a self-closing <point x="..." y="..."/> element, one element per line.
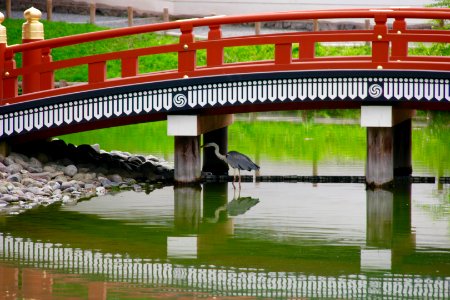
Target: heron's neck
<point x="216" y="151"/>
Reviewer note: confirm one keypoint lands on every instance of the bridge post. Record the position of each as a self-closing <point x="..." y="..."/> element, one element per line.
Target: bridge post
<point x="388" y="143"/>
<point x="187" y="130"/>
<point x="3" y="43"/>
<point x="32" y="30"/>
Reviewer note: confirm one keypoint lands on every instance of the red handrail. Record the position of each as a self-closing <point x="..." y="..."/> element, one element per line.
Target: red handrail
<point x="389" y="49"/>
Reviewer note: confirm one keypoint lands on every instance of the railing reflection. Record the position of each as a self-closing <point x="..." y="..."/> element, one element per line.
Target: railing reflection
<point x="206" y="279"/>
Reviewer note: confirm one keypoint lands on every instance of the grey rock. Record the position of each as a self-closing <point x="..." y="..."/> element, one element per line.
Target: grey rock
<point x="89" y="186"/>
<point x="18" y="156"/>
<point x="70" y="170"/>
<point x="67" y="184"/>
<point x="3" y="203"/>
<point x="152" y="158"/>
<point x="19" y="161"/>
<point x="15" y="177"/>
<point x="8" y="161"/>
<point x="83" y="169"/>
<point x="56" y="174"/>
<point x="14" y="168"/>
<point x="79" y="177"/>
<point x="49" y="168"/>
<point x="34" y="169"/>
<point x="9" y="198"/>
<point x="136" y="159"/>
<point x="29" y="196"/>
<point x="105" y="182"/>
<point x="115" y="178"/>
<point x="70" y="189"/>
<point x="55" y="185"/>
<point x="47" y="189"/>
<point x="3" y="189"/>
<point x="35" y="191"/>
<point x="120" y="154"/>
<point x="96" y="147"/>
<point x="41" y="176"/>
<point x="60" y="178"/>
<point x="130" y="181"/>
<point x="34" y="162"/>
<point x="28" y="181"/>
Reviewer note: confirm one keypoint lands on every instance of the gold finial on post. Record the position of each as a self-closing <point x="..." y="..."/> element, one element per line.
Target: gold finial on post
<point x="32" y="29"/>
<point x="3" y="39"/>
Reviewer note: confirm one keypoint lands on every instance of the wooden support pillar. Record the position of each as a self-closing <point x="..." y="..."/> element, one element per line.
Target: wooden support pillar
<point x="388" y="143"/>
<point x="8" y="9"/>
<point x="211" y="163"/>
<point x="402" y="148"/>
<point x="187" y="159"/>
<point x="257" y="28"/>
<point x="187" y="131"/>
<point x="380" y="161"/>
<point x="130" y="16"/>
<point x="316" y="25"/>
<point x="166" y="15"/>
<point x="49" y="10"/>
<point x="92" y="12"/>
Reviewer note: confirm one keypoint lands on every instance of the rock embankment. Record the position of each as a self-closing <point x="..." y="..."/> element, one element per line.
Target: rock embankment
<point x="54" y="171"/>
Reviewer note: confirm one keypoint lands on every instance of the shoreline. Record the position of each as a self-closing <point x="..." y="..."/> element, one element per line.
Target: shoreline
<point x="48" y="172"/>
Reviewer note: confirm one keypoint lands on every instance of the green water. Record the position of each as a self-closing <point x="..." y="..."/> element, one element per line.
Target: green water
<point x="270" y="240"/>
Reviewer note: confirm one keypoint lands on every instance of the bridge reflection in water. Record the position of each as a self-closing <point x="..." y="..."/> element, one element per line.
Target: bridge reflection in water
<point x="201" y="255"/>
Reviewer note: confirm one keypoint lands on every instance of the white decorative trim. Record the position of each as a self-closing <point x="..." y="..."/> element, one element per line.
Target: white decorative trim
<point x="197" y="96"/>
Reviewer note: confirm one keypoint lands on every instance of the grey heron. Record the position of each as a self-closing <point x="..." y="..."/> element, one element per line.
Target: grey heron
<point x="237" y="161"/>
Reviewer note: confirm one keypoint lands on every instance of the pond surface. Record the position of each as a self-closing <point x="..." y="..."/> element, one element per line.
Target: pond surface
<point x="268" y="240"/>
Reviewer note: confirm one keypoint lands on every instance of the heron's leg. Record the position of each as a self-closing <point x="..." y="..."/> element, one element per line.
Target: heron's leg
<point x="234" y="178"/>
<point x="239" y="172"/>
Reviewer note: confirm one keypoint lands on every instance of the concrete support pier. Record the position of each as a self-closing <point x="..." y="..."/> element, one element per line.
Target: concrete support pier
<point x="187" y="130"/>
<point x="388" y="143"/>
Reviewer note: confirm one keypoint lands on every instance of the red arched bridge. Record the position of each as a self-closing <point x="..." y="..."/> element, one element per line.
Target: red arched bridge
<point x="390" y="78"/>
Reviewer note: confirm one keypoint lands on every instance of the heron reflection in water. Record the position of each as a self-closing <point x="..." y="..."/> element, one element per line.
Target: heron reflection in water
<point x="237" y="161"/>
<point x="238" y="206"/>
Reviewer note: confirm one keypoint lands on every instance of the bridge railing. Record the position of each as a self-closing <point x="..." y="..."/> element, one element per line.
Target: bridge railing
<point x="389" y="50"/>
